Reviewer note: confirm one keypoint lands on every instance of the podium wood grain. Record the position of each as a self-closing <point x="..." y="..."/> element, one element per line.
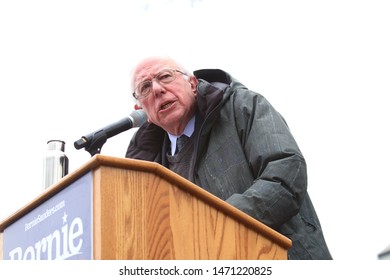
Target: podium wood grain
<point x="164" y="221"/>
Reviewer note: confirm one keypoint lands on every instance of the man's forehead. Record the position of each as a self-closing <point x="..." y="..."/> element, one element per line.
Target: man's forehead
<point x="152" y="66"/>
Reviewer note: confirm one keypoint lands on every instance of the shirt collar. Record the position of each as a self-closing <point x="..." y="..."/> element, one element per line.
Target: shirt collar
<point x="188" y="131"/>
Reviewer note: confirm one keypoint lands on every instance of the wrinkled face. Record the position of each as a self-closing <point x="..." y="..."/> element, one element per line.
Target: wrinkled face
<point x="168" y="105"/>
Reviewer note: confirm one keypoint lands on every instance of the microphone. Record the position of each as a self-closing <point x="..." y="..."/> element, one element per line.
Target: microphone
<point x="135" y="119"/>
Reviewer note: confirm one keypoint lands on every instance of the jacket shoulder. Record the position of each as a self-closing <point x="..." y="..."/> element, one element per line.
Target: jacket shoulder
<point x="213" y="76"/>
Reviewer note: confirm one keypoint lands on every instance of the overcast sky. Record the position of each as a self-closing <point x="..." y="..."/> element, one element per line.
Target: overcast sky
<point x="324" y="65"/>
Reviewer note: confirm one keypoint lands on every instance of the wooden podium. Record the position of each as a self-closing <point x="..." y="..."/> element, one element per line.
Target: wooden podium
<point x="139" y="210"/>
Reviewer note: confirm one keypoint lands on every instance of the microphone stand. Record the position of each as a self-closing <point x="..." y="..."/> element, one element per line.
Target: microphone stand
<point x="94" y="146"/>
<point x="94" y="142"/>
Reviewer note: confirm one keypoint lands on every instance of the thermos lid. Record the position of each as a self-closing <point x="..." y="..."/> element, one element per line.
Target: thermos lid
<point x="57" y="145"/>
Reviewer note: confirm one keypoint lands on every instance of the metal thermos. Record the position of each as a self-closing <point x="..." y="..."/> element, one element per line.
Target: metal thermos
<point x="55" y="163"/>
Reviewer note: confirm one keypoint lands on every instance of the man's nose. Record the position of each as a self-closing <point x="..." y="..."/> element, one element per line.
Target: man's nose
<point x="157" y="87"/>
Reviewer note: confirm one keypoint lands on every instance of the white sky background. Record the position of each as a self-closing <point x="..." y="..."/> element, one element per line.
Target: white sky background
<point x="325" y="65"/>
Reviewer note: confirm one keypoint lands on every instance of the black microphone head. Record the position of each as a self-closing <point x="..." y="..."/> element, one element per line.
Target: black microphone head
<point x="138" y="117"/>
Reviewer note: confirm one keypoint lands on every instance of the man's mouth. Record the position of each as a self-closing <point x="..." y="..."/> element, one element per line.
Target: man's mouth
<point x="166" y="105"/>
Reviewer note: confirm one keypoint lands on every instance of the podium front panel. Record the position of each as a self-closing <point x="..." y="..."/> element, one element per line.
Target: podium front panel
<point x="59" y="228"/>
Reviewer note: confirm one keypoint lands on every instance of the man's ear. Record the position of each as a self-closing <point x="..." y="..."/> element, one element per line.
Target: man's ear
<point x="194" y="82"/>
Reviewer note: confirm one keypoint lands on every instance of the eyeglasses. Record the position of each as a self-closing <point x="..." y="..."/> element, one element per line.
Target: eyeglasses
<point x="144" y="88"/>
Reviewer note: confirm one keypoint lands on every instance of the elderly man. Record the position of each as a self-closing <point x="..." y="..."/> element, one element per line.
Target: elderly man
<point x="209" y="128"/>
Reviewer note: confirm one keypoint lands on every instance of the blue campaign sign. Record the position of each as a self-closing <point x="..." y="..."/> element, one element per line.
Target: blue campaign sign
<point x="58" y="229"/>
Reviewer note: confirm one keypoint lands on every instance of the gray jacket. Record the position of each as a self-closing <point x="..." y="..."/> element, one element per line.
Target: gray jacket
<point x="246" y="155"/>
